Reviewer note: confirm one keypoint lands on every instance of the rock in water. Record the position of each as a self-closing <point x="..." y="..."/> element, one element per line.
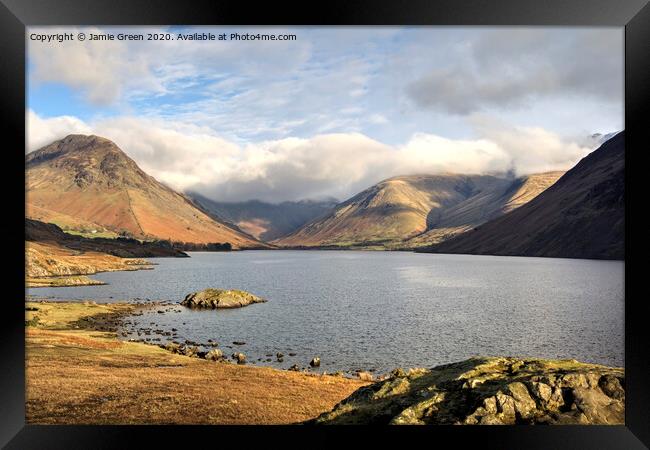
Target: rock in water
<point x="488" y="391"/>
<point x="315" y="362"/>
<point x="220" y="298"/>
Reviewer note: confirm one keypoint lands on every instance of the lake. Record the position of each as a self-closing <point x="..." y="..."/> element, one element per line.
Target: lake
<point x="382" y="310"/>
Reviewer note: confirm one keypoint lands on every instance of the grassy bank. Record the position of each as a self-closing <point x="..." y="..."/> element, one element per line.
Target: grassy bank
<point x="79" y="373"/>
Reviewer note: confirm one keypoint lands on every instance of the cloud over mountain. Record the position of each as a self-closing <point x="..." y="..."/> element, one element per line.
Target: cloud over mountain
<point x="189" y="157"/>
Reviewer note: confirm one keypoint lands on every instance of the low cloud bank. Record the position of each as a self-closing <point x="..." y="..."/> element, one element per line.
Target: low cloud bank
<point x="189" y="157"/>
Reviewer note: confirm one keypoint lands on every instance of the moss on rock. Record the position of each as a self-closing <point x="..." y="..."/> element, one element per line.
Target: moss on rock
<point x="488" y="391"/>
<point x="220" y="298"/>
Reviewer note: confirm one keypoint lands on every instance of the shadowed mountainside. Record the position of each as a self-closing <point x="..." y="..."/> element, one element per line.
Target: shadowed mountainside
<point x="87" y="183"/>
<point x="412" y="211"/>
<point x="265" y="221"/>
<point x="580" y="216"/>
<point x="36" y="231"/>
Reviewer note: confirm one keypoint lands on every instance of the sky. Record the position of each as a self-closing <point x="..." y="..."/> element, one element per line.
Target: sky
<point x="334" y="111"/>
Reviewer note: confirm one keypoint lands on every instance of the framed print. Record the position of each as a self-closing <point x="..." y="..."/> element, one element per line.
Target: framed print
<point x="360" y="213"/>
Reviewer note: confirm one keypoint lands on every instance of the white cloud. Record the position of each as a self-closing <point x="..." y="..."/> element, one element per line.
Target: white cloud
<point x="41" y="132"/>
<point x="107" y="72"/>
<point x="102" y="70"/>
<point x="427" y="153"/>
<point x="190" y="157"/>
<point x="388" y="82"/>
<point x="532" y="149"/>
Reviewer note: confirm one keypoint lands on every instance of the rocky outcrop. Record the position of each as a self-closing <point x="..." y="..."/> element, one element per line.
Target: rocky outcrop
<point x="49" y="264"/>
<point x="73" y="280"/>
<point x="220" y="298"/>
<point x="489" y="391"/>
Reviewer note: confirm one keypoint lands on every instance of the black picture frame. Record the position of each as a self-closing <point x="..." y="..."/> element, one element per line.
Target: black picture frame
<point x="15" y="15"/>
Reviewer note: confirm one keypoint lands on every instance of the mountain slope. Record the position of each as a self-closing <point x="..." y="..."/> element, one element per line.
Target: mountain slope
<point x="580" y="216"/>
<point x="49" y="233"/>
<point x="265" y="221"/>
<point x="81" y="182"/>
<point x="411" y="211"/>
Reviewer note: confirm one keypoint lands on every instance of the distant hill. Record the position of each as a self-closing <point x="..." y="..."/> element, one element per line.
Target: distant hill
<point x="265" y="221"/>
<point x="580" y="216"/>
<point x="84" y="183"/>
<point x="411" y="211"/>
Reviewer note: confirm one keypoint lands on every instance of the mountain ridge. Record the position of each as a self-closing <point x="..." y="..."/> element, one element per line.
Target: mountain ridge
<point x="581" y="216"/>
<point x="412" y="210"/>
<point x="86" y="180"/>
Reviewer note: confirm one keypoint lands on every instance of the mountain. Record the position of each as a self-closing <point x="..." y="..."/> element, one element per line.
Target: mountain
<point x="411" y="211"/>
<point x="87" y="184"/>
<point x="265" y="221"/>
<point x="580" y="216"/>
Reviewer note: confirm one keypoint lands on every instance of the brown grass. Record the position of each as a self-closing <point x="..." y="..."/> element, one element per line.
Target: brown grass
<point x="81" y="376"/>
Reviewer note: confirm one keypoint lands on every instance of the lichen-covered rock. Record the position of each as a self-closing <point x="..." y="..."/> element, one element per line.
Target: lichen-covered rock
<point x="490" y="391"/>
<point x="220" y="298"/>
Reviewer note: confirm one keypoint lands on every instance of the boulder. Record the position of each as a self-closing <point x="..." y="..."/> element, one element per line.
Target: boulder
<point x="220" y="298"/>
<point x="489" y="391"/>
<point x="239" y="357"/>
<point x="315" y="362"/>
<point x="214" y="355"/>
<point x="364" y="376"/>
<point x="190" y="351"/>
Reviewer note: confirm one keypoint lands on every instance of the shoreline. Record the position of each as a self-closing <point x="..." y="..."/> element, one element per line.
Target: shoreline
<point x="48" y="264"/>
<point x="79" y="372"/>
<point x="80" y="279"/>
<point x="170" y="342"/>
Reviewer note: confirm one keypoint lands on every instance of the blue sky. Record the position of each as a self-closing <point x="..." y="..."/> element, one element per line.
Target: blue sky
<point x="251" y="119"/>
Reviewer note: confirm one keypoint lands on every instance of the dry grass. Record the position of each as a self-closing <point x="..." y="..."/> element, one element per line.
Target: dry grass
<point x="82" y="376"/>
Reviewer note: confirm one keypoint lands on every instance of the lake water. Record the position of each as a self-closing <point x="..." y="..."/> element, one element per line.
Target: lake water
<point x="382" y="310"/>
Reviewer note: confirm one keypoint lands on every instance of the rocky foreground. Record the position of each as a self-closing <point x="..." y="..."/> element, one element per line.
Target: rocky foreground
<point x="78" y="372"/>
<point x="489" y="391"/>
<point x="220" y="298"/>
